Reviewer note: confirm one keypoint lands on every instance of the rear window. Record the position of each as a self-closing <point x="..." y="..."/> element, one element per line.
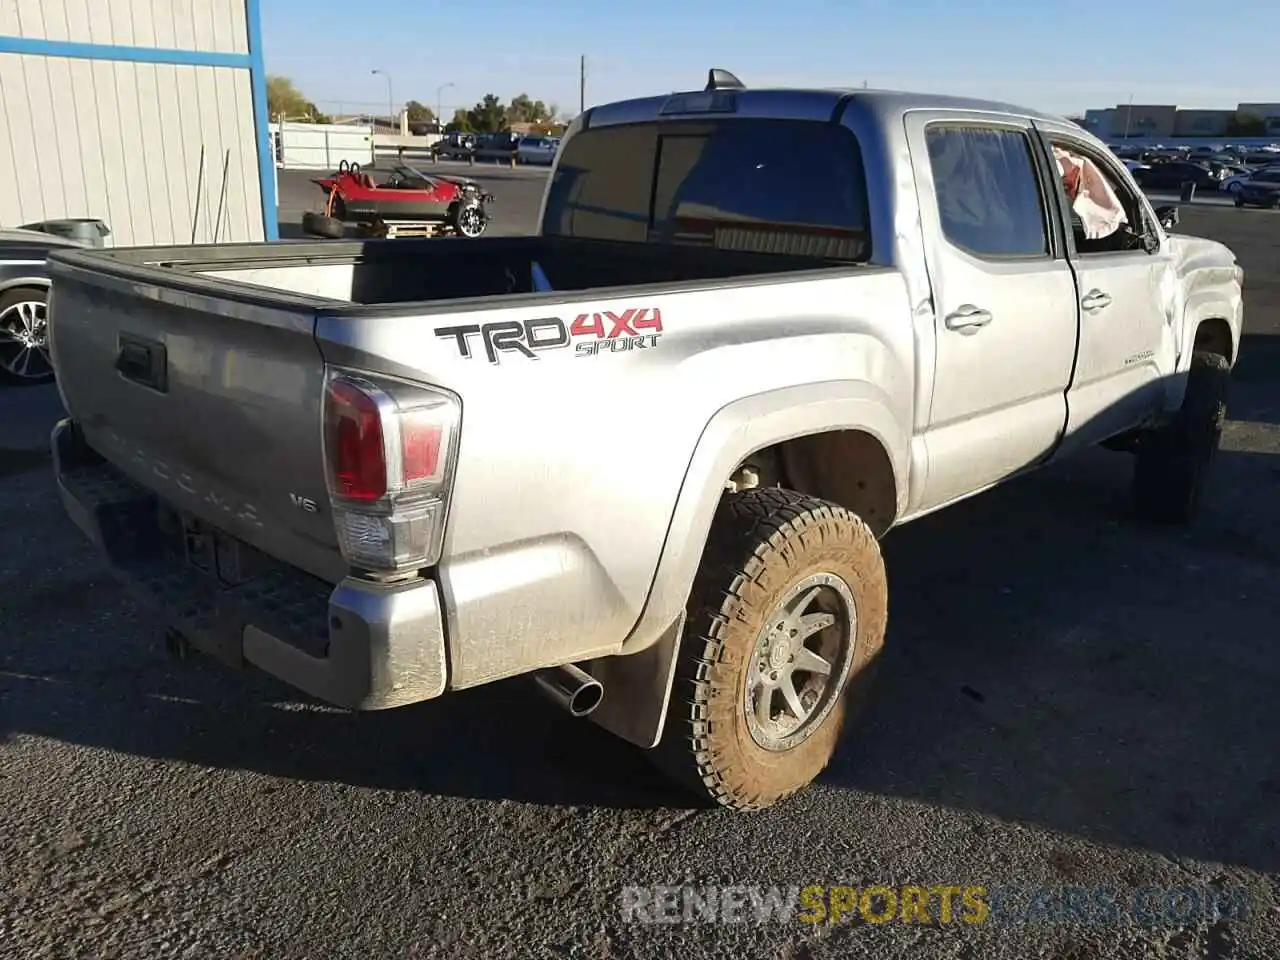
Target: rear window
<point x="774" y="186"/>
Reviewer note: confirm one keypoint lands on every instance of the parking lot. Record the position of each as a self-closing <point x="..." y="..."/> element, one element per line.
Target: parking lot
<point x="1067" y="699"/>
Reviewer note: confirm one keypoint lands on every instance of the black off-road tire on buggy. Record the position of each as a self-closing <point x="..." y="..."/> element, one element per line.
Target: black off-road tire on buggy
<point x="318" y="225"/>
<point x="1173" y="462"/>
<point x="768" y="548"/>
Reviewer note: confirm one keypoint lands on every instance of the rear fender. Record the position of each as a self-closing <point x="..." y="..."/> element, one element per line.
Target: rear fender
<point x="638" y="679"/>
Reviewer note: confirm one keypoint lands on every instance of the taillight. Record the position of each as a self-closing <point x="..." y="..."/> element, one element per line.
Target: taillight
<point x="389" y="447"/>
<point x="353" y="437"/>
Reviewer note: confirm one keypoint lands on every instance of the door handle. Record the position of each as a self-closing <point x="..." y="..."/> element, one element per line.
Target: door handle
<point x="967" y="319"/>
<point x="1095" y="299"/>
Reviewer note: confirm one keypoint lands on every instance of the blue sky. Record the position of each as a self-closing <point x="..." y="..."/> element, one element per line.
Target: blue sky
<point x="1035" y="53"/>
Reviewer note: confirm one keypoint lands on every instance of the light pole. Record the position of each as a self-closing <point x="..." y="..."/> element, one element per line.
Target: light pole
<point x="440" y="104"/>
<point x="391" y="102"/>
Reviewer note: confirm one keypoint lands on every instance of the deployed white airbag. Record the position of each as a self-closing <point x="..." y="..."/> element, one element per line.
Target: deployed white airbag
<point x="1091" y="195"/>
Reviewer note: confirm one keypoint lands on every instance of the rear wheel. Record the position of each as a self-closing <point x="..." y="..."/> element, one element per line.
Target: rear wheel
<point x="1173" y="463"/>
<point x="786" y="622"/>
<point x="318" y="225"/>
<point x="24" y="337"/>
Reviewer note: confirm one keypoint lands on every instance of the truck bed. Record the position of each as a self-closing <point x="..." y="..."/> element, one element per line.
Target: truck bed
<point x="391" y="272"/>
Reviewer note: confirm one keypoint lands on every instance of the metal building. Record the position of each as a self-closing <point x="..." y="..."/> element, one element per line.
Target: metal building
<point x="148" y="114"/>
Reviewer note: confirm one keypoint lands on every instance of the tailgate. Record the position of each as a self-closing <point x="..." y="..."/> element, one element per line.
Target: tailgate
<point x="208" y="396"/>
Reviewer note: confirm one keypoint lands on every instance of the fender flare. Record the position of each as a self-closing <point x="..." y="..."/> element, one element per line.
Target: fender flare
<point x="735" y="432"/>
<point x="1202" y="306"/>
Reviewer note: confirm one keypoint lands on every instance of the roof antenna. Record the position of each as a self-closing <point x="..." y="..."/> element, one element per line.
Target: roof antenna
<point x="718" y="79"/>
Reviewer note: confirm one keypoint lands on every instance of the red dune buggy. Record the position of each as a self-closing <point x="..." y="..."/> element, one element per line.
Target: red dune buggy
<point x="408" y="202"/>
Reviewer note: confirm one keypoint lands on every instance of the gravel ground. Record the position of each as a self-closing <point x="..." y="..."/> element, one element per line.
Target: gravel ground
<point x="1068" y="700"/>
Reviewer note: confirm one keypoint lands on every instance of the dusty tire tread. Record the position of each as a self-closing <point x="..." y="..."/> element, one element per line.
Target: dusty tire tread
<point x="756" y="524"/>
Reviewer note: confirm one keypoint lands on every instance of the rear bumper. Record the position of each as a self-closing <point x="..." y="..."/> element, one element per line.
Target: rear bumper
<point x="359" y="645"/>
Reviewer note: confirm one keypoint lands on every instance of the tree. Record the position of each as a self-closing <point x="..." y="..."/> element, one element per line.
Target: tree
<point x="419" y="112"/>
<point x="523" y="110"/>
<point x="286" y="102"/>
<point x="461" y="122"/>
<point x="421" y="118"/>
<point x="487" y="116"/>
<point x="1246" y="125"/>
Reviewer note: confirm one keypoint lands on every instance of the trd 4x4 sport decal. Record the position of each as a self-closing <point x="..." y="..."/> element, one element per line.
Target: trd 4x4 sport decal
<point x="590" y="334"/>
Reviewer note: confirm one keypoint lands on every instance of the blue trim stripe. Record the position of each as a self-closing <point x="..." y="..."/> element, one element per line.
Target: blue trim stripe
<point x="262" y="121"/>
<point x="107" y="51"/>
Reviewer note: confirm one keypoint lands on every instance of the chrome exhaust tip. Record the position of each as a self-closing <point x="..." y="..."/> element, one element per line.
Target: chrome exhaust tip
<point x="571" y="687"/>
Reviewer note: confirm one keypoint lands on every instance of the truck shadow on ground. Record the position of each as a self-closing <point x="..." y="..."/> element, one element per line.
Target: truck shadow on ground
<point x="1069" y="669"/>
<point x="1060" y="666"/>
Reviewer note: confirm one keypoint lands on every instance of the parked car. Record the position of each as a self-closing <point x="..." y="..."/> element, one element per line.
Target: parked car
<point x="454" y="146"/>
<point x="1235" y="177"/>
<point x="24" y="291"/>
<point x="500" y="147"/>
<point x="823" y="313"/>
<point x="539" y="150"/>
<point x="1172" y="174"/>
<point x="1260" y="190"/>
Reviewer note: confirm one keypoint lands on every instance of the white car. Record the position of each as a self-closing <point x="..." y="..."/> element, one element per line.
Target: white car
<point x="537" y="150"/>
<point x="1232" y="184"/>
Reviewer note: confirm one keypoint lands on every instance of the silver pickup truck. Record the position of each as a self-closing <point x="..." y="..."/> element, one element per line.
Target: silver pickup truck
<point x="645" y="455"/>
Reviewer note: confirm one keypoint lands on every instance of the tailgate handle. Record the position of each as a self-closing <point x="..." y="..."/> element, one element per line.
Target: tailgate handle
<point x="144" y="362"/>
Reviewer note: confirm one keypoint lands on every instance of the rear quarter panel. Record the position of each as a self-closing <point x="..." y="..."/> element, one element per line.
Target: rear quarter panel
<point x="571" y="464"/>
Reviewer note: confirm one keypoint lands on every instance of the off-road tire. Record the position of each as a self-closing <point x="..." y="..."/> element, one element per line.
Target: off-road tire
<point x="1173" y="463"/>
<point x="318" y="225"/>
<point x="762" y="542"/>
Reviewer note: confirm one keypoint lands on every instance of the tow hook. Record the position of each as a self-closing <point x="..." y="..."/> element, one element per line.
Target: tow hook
<point x="176" y="645"/>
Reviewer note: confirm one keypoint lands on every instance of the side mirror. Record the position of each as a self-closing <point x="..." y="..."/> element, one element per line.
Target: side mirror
<point x="1168" y="217"/>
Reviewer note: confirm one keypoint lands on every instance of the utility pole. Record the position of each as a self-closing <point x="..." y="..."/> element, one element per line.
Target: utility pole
<point x="582" y="84"/>
<point x="391" y="102"/>
<point x="1128" y="115"/>
<point x="440" y="104"/>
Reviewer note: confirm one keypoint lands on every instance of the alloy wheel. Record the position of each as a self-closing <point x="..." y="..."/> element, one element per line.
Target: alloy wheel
<point x="24" y="341"/>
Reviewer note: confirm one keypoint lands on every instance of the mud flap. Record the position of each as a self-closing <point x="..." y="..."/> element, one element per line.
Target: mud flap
<point x="637" y="689"/>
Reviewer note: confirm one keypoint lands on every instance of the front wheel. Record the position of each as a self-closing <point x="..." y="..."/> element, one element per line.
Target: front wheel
<point x="24" y="337"/>
<point x="785" y="625"/>
<point x="1172" y="466"/>
<point x="470" y="220"/>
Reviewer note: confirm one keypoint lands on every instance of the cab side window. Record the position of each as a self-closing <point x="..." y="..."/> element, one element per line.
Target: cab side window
<point x="1097" y="226"/>
<point x="989" y="198"/>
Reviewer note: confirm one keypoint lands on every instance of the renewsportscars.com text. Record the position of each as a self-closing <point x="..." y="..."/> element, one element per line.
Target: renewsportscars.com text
<point x="936" y="904"/>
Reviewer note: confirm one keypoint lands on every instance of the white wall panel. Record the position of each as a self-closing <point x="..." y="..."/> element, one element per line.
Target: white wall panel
<point x="122" y="141"/>
<point x="210" y="26"/>
<point x="312" y="146"/>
